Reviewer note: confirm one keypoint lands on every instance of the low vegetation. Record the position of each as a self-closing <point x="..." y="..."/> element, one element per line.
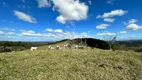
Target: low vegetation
<point x="8" y="46"/>
<point x="71" y="64"/>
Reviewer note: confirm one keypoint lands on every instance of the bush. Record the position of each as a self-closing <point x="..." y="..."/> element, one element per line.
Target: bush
<point x="7" y="50"/>
<point x="114" y="47"/>
<point x="3" y="49"/>
<point x="138" y="50"/>
<point x="93" y="43"/>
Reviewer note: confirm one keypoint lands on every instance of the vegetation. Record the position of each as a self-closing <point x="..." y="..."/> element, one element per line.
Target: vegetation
<point x="84" y="64"/>
<point x="8" y="46"/>
<point x="93" y="43"/>
<point x="133" y="45"/>
<point x="71" y="64"/>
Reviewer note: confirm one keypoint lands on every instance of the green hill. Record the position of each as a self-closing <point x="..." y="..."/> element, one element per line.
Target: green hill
<point x="71" y="64"/>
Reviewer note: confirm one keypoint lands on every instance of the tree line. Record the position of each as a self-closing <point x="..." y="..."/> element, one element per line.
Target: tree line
<point x="8" y="46"/>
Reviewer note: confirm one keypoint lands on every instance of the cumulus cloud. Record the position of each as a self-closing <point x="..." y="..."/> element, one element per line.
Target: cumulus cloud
<point x="10" y="33"/>
<point x="61" y="19"/>
<point x="1" y="33"/>
<point x="102" y="26"/>
<point x="31" y="33"/>
<point x="7" y="29"/>
<point x="84" y="35"/>
<point x="106" y="34"/>
<point x="123" y="32"/>
<point x="56" y="30"/>
<point x="131" y="21"/>
<point x="55" y="35"/>
<point x="108" y="17"/>
<point x="59" y="30"/>
<point x="109" y="20"/>
<point x="24" y="17"/>
<point x="27" y="33"/>
<point x="133" y="27"/>
<point x="43" y="3"/>
<point x="52" y="35"/>
<point x="70" y="10"/>
<point x="113" y="13"/>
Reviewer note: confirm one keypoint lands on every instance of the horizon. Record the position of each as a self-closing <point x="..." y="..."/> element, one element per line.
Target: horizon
<point x="55" y="20"/>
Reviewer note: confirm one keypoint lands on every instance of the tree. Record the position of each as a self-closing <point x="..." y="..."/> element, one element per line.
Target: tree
<point x="111" y="40"/>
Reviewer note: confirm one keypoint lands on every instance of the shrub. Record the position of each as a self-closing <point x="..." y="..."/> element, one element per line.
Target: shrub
<point x="93" y="43"/>
<point x="138" y="50"/>
<point x="7" y="50"/>
<point x="114" y="47"/>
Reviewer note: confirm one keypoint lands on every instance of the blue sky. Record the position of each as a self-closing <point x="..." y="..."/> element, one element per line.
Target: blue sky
<point x="52" y="20"/>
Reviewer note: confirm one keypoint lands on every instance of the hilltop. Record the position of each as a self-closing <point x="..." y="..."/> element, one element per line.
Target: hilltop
<point x="71" y="64"/>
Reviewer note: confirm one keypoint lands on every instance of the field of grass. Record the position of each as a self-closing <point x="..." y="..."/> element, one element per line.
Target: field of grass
<point x="85" y="64"/>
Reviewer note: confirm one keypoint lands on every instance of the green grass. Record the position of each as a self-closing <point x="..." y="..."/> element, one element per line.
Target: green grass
<point x="86" y="64"/>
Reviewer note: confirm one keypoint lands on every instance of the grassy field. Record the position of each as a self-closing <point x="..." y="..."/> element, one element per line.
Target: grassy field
<point x="86" y="64"/>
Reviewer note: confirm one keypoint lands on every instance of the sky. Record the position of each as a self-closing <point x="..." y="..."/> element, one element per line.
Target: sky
<point x="53" y="20"/>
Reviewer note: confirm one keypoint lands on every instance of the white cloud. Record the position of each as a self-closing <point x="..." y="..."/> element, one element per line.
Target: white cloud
<point x="90" y="2"/>
<point x="24" y="17"/>
<point x="30" y="33"/>
<point x="106" y="34"/>
<point x="43" y="3"/>
<point x="110" y="1"/>
<point x="133" y="27"/>
<point x="84" y="35"/>
<point x="131" y="21"/>
<point x="67" y="35"/>
<point x="61" y="19"/>
<point x="113" y="13"/>
<point x="123" y="32"/>
<point x="70" y="10"/>
<point x="12" y="29"/>
<point x="109" y="20"/>
<point x="49" y="30"/>
<point x="7" y="29"/>
<point x="53" y="36"/>
<point x="102" y="26"/>
<point x="1" y="33"/>
<point x="11" y="33"/>
<point x="56" y="30"/>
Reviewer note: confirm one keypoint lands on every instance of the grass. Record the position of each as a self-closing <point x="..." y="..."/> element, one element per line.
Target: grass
<point x="86" y="64"/>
